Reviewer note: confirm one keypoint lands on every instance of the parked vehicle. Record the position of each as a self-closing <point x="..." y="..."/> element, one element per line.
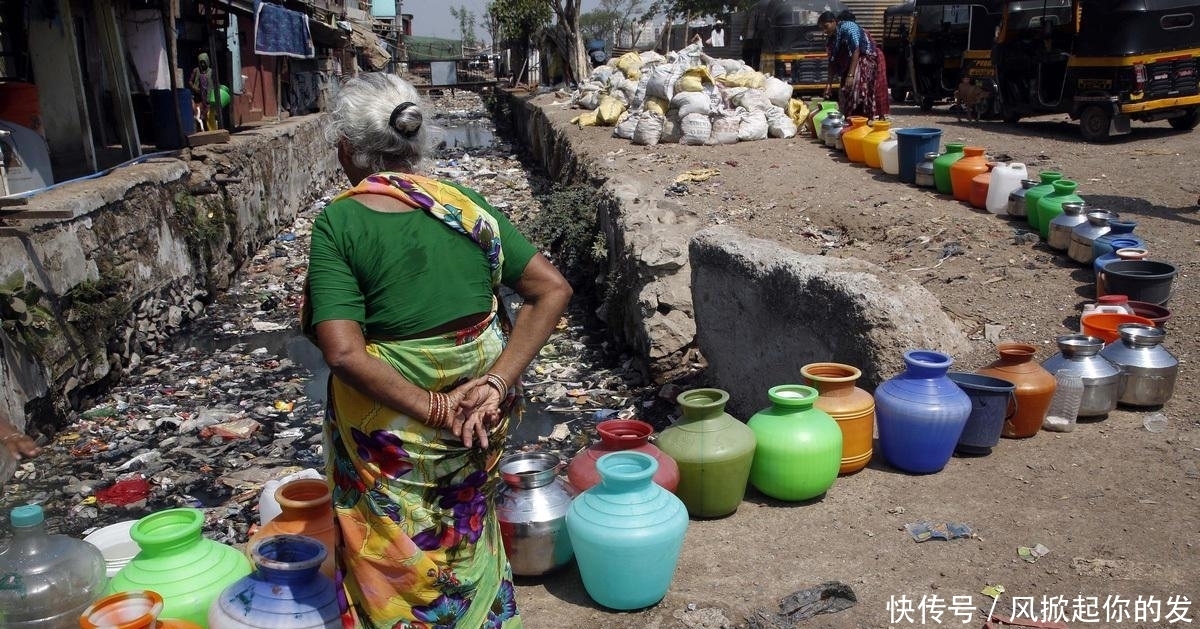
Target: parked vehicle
<point x="1103" y="62"/>
<point x="788" y="44"/>
<point x="893" y="42"/>
<point x="952" y="39"/>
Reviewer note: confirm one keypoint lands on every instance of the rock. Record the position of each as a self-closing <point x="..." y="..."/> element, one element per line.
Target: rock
<point x="794" y="309"/>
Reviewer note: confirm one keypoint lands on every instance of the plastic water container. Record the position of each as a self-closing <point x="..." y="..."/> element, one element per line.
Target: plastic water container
<point x="1107" y="304"/>
<point x="268" y="507"/>
<point x="49" y="580"/>
<point x="1006" y="178"/>
<point x="1064" y="406"/>
<point x="889" y="155"/>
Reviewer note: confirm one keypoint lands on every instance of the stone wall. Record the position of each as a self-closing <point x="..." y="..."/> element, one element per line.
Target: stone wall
<point x="144" y="250"/>
<point x="648" y="303"/>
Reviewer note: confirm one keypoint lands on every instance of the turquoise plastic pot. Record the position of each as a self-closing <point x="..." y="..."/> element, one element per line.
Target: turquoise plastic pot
<point x="627" y="533"/>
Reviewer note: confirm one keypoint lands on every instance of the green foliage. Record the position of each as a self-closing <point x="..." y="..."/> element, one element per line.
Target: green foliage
<point x="599" y="24"/>
<point x="520" y="19"/>
<point x="566" y="227"/>
<point x="22" y="313"/>
<point x="97" y="304"/>
<point x="466" y="25"/>
<point x="698" y="7"/>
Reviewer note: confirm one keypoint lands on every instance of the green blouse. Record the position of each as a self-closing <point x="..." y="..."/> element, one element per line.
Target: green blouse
<point x="399" y="273"/>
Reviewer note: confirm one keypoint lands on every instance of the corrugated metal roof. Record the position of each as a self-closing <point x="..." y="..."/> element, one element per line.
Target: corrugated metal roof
<point x="869" y="14"/>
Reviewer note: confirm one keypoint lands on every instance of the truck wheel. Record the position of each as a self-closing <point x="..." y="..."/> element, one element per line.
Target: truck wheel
<point x="1187" y="121"/>
<point x="1094" y="122"/>
<point x="926" y="104"/>
<point x="899" y="94"/>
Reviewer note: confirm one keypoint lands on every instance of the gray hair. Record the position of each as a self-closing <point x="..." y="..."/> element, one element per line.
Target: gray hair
<point x="379" y="116"/>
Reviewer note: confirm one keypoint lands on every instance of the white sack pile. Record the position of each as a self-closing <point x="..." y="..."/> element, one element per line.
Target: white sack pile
<point x="689" y="98"/>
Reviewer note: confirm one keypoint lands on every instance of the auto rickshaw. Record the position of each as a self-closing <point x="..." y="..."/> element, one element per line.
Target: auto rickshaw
<point x="792" y="45"/>
<point x="897" y="24"/>
<point x="1103" y="62"/>
<point x="951" y="39"/>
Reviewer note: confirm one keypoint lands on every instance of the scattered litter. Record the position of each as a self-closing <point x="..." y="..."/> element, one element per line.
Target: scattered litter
<point x="124" y="492"/>
<point x="925" y="531"/>
<point x="993" y="591"/>
<point x="702" y="617"/>
<point x="1032" y="554"/>
<point x="826" y="598"/>
<point x="697" y="175"/>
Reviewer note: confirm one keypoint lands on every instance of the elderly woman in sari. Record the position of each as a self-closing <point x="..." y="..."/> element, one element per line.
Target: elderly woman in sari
<point x="858" y="63"/>
<point x="425" y="382"/>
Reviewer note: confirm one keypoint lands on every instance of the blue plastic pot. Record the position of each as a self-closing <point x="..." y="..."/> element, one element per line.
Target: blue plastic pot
<point x="992" y="402"/>
<point x="920" y="413"/>
<point x="912" y="145"/>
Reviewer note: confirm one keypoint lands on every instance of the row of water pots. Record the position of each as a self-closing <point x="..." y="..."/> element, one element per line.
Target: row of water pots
<point x="1050" y="204"/>
<point x="794" y="450"/>
<point x="178" y="579"/>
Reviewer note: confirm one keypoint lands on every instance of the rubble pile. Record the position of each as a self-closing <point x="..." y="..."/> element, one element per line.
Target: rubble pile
<point x="234" y="400"/>
<point x="687" y="97"/>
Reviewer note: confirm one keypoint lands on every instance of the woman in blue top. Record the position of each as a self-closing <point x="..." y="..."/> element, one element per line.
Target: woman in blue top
<point x="858" y="62"/>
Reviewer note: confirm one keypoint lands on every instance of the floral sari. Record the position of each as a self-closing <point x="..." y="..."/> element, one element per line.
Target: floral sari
<point x="869" y="94"/>
<point x="420" y="544"/>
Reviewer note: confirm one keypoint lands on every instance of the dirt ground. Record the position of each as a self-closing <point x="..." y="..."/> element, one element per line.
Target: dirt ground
<point x="1117" y="506"/>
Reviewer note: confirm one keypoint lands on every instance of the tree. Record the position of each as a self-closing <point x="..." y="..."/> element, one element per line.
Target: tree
<point x="599" y="24"/>
<point x="568" y="40"/>
<point x="627" y="22"/>
<point x="676" y="8"/>
<point x="466" y="25"/>
<point x="519" y="21"/>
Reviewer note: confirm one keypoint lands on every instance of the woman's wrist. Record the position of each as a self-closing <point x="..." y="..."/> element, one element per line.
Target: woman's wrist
<point x="497" y="384"/>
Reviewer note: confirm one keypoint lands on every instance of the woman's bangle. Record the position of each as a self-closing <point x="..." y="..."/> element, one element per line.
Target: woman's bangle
<point x="498" y="383"/>
<point x="439" y="410"/>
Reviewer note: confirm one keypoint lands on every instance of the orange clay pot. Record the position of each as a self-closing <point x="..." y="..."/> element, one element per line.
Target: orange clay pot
<point x="1035" y="387"/>
<point x="961" y="172"/>
<point x="852" y="408"/>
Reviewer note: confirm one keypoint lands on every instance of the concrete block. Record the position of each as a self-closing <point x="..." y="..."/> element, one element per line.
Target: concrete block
<point x="763" y="311"/>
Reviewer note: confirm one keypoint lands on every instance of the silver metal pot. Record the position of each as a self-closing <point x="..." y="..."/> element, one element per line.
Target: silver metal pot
<point x="1080" y="353"/>
<point x="1016" y="198"/>
<point x="1147" y="368"/>
<point x="924" y="171"/>
<point x="1065" y="223"/>
<point x="1080" y="249"/>
<point x="831" y="125"/>
<point x="532" y="508"/>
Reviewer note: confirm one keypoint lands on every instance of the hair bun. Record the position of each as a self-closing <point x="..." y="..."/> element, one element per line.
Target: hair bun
<point x="406" y="119"/>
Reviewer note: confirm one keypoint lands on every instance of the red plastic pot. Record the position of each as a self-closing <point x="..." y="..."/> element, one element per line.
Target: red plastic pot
<point x="622" y="434"/>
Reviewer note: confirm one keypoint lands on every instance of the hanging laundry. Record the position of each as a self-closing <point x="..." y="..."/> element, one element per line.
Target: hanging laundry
<point x="282" y="32"/>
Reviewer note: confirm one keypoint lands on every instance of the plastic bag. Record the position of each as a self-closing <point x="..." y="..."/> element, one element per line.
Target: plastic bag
<point x="656" y="105"/>
<point x="671" y="131"/>
<point x="695" y="129"/>
<point x="662" y="81"/>
<point x="779" y="92"/>
<point x="753" y="127"/>
<point x="631" y="64"/>
<point x="725" y="127"/>
<point x="588" y="97"/>
<point x="693" y="80"/>
<point x="752" y="100"/>
<point x="797" y="111"/>
<point x="779" y="124"/>
<point x="742" y="78"/>
<point x="649" y="129"/>
<point x="625" y="126"/>
<point x="585" y="120"/>
<point x="609" y="111"/>
<point x="691" y="103"/>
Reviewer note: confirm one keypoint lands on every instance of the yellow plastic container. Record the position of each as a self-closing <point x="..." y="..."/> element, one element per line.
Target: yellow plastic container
<point x="880" y="131"/>
<point x="852" y="140"/>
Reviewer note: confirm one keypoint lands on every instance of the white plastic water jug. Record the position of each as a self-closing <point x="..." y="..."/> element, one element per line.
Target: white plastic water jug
<point x="889" y="154"/>
<point x="1005" y="179"/>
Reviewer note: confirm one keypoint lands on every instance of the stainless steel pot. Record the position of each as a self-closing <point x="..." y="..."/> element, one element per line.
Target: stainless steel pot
<point x="831" y="125"/>
<point x="1065" y="223"/>
<point x="1080" y="353"/>
<point x="1016" y="198"/>
<point x="1080" y="249"/>
<point x="924" y="177"/>
<point x="532" y="508"/>
<point x="1147" y="368"/>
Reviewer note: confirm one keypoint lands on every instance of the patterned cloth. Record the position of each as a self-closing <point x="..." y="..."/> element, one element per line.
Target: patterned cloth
<point x="869" y="95"/>
<point x="420" y="544"/>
